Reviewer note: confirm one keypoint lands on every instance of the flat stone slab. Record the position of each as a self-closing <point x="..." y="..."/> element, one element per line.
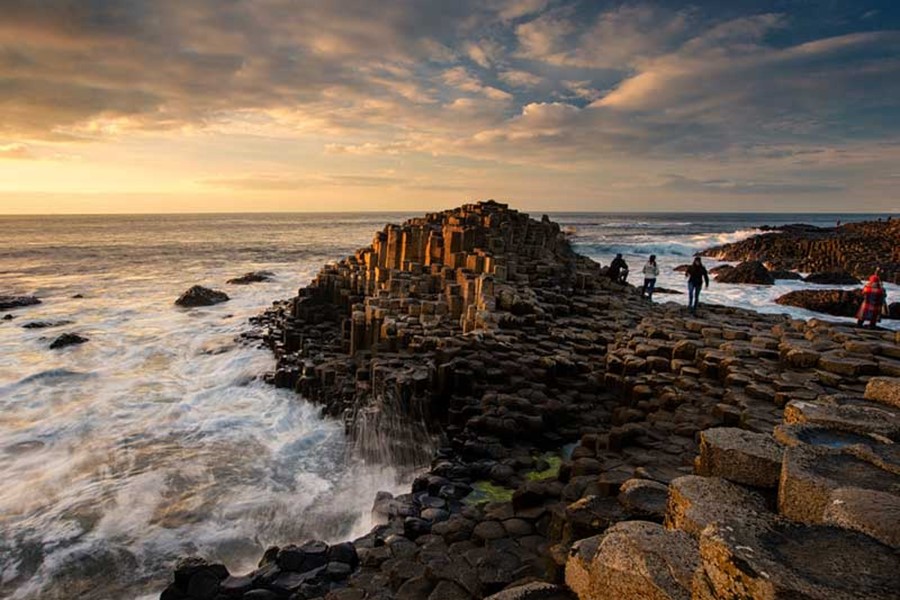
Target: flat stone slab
<point x="695" y="502"/>
<point x="740" y="456"/>
<point x="846" y="413"/>
<point x="885" y="390"/>
<point x="810" y="475"/>
<point x="634" y="560"/>
<point x="828" y="437"/>
<point x="774" y="558"/>
<point x="876" y="514"/>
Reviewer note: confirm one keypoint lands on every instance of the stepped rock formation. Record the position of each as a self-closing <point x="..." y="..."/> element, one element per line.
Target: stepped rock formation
<point x="583" y="437"/>
<point x="857" y="248"/>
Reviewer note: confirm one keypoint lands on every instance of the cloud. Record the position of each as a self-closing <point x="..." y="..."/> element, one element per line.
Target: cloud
<point x="616" y="39"/>
<point x="15" y="151"/>
<point x="745" y="187"/>
<point x="519" y="79"/>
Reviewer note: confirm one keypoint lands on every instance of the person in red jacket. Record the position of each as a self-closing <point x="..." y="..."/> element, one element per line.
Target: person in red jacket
<point x="873" y="302"/>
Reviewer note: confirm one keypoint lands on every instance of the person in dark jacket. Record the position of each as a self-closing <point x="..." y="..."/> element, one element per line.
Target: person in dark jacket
<point x="696" y="274"/>
<point x="618" y="269"/>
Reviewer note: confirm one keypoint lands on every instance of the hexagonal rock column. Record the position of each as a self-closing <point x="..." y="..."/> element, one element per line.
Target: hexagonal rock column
<point x="885" y="390"/>
<point x="774" y="558"/>
<point x="874" y="513"/>
<point x="846" y="413"/>
<point x="739" y="456"/>
<point x="810" y="474"/>
<point x="633" y="560"/>
<point x="695" y="502"/>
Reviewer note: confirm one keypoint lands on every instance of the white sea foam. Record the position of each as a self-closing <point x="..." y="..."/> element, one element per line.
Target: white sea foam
<point x="157" y="438"/>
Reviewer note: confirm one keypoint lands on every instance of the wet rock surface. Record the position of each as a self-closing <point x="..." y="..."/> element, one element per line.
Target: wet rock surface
<point x="201" y="296"/>
<point x="840" y="303"/>
<point x="574" y="434"/>
<point x="68" y="339"/>
<point x="11" y="302"/>
<point x="753" y="272"/>
<point x="854" y="248"/>
<point x="251" y="277"/>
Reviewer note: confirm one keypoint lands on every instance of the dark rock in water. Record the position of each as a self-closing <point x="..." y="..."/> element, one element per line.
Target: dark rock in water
<point x="201" y="296"/>
<point x="45" y="324"/>
<point x="77" y="297"/>
<point x="252" y="277"/>
<point x="781" y="274"/>
<point x="662" y="290"/>
<point x="856" y="248"/>
<point x="10" y="302"/>
<point x="720" y="269"/>
<point x="67" y="339"/>
<point x="832" y="278"/>
<point x="8" y="317"/>
<point x="840" y="303"/>
<point x="681" y="268"/>
<point x="197" y="578"/>
<point x="753" y="272"/>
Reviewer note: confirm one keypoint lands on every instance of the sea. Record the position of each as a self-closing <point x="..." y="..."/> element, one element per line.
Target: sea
<point x="158" y="437"/>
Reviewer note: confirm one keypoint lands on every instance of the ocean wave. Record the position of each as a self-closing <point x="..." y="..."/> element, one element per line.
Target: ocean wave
<point x="684" y="245"/>
<point x="54" y="375"/>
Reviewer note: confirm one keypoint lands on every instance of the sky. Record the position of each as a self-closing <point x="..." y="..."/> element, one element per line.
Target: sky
<point x="126" y="106"/>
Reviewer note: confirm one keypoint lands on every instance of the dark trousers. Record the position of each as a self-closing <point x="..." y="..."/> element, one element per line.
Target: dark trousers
<point x="649" y="285"/>
<point x="694" y="295"/>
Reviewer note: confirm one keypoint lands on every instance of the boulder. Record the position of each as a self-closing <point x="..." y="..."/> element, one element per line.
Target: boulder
<point x="67" y="339"/>
<point x="885" y="390"/>
<point x="537" y="590"/>
<point x="251" y="277"/>
<point x="695" y="502"/>
<point x="633" y="560"/>
<point x="740" y="456"/>
<point x="10" y="302"/>
<point x="832" y="278"/>
<point x="201" y="296"/>
<point x="45" y="324"/>
<point x="747" y="272"/>
<point x="839" y="303"/>
<point x="644" y="498"/>
<point x="775" y="558"/>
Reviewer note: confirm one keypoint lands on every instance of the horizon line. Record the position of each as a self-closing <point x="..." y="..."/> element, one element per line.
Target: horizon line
<point x="403" y="212"/>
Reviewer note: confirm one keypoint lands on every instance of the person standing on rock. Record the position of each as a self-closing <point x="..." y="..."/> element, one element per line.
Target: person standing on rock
<point x="696" y="274"/>
<point x="618" y="269"/>
<point x="873" y="302"/>
<point x="651" y="272"/>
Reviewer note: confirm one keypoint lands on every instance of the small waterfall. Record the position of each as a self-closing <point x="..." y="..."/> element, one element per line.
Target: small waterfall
<point x="393" y="431"/>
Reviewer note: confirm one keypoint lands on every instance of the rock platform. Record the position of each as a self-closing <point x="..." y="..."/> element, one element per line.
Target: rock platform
<point x="855" y="248"/>
<point x="581" y="441"/>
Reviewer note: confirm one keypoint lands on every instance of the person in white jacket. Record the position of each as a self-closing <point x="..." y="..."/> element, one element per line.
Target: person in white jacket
<point x="651" y="272"/>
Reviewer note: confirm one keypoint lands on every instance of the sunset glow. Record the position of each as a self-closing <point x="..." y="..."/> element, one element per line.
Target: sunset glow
<point x="276" y="105"/>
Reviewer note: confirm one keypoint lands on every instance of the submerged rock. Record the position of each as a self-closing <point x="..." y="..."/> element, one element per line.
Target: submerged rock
<point x="45" y="324"/>
<point x="252" y="277"/>
<point x="10" y="302"/>
<point x="67" y="339"/>
<point x="201" y="296"/>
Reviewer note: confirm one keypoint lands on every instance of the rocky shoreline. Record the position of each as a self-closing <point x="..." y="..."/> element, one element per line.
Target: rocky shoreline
<point x="585" y="441"/>
<point x="855" y="248"/>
